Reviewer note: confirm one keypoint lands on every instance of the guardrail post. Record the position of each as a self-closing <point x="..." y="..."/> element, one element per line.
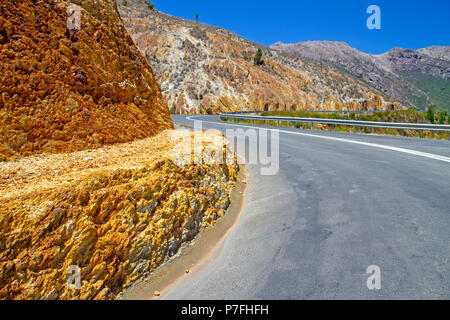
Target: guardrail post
<point x="278" y="123"/>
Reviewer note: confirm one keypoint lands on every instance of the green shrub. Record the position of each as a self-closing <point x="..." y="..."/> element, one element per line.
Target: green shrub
<point x="335" y="115"/>
<point x="430" y="113"/>
<point x="150" y="4"/>
<point x="442" y="116"/>
<point x="258" y="57"/>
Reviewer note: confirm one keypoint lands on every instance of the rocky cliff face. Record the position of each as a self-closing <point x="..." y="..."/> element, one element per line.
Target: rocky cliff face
<point x="204" y="69"/>
<point x="414" y="77"/>
<point x="65" y="90"/>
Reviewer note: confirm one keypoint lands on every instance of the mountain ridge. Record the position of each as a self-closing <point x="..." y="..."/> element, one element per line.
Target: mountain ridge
<point x="207" y="69"/>
<point x="414" y="77"/>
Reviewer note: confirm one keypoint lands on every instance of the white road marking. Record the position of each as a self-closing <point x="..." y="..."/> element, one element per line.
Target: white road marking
<point x="374" y="145"/>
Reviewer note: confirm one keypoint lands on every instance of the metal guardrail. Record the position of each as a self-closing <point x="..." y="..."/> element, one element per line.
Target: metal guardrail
<point x="313" y="111"/>
<point x="246" y="112"/>
<point x="334" y="122"/>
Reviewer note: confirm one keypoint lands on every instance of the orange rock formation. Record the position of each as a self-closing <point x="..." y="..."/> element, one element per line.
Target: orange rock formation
<point x="65" y="90"/>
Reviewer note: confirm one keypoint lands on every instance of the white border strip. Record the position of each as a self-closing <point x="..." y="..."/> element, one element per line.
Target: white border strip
<point x="374" y="145"/>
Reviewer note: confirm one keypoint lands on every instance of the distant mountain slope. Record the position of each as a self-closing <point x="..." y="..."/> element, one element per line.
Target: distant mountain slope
<point x="437" y="52"/>
<point x="204" y="69"/>
<point x="63" y="90"/>
<point x="416" y="78"/>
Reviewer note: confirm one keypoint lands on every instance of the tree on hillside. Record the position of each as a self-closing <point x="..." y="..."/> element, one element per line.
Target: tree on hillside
<point x="430" y="113"/>
<point x="258" y="57"/>
<point x="196" y="17"/>
<point x="443" y="116"/>
<point x="150" y="4"/>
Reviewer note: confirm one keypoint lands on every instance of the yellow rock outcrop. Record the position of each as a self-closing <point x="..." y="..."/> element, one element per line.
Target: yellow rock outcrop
<point x="117" y="213"/>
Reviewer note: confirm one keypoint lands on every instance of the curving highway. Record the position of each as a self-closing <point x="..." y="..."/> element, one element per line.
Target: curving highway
<point x="339" y="203"/>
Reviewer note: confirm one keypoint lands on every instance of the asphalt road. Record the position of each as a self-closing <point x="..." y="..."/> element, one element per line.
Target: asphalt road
<point x="333" y="209"/>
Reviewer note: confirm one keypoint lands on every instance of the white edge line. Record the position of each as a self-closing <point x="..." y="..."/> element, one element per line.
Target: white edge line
<point x="374" y="145"/>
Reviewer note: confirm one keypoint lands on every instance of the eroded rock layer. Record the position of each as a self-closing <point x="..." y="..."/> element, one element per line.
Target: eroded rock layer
<point x="204" y="69"/>
<point x="65" y="89"/>
<point x="117" y="213"/>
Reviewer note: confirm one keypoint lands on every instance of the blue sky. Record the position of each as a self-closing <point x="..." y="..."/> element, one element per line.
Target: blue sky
<point x="407" y="24"/>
